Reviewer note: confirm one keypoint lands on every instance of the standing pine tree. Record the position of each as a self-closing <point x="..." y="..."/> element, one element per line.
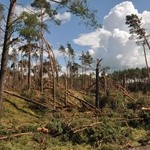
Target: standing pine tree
<point x="135" y="25"/>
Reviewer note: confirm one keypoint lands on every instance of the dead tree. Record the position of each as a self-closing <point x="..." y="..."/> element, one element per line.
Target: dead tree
<point x="53" y="66"/>
<point x="97" y="84"/>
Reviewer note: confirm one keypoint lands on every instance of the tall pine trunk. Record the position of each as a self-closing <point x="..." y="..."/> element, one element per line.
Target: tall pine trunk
<point x="146" y="62"/>
<point x="41" y="54"/>
<point x="97" y="94"/>
<point x="29" y="65"/>
<point x="5" y="51"/>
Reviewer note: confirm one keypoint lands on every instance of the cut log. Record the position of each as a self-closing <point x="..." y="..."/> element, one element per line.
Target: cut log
<point x="145" y="108"/>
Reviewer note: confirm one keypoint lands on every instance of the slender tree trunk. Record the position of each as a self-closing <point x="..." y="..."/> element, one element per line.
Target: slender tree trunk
<point x="105" y="83"/>
<point x="97" y="85"/>
<point x="71" y="76"/>
<point x="4" y="59"/>
<point x="82" y="78"/>
<point x="29" y="65"/>
<point x="66" y="94"/>
<point x="54" y="90"/>
<point x="21" y="72"/>
<point x="146" y="62"/>
<point x="41" y="68"/>
<point x="41" y="55"/>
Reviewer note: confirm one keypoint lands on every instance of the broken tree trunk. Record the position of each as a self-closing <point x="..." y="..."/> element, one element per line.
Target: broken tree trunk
<point x="97" y="84"/>
<point x="85" y="102"/>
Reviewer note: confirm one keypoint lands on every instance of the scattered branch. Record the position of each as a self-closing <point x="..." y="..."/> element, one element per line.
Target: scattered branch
<point x="75" y="130"/>
<point x="15" y="135"/>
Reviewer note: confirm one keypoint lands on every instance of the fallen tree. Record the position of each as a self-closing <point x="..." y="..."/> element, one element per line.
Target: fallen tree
<point x="26" y="99"/>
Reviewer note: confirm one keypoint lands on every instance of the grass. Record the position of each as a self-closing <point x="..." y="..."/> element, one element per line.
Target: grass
<point x="21" y="117"/>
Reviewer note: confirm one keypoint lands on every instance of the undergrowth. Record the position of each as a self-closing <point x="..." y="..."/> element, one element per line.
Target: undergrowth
<point x="127" y="126"/>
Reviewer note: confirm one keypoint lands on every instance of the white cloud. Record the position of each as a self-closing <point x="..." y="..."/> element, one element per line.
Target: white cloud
<point x="116" y="16"/>
<point x="65" y="17"/>
<point x="112" y="42"/>
<point x="19" y="9"/>
<point x="57" y="53"/>
<point x="95" y="39"/>
<point x="91" y="51"/>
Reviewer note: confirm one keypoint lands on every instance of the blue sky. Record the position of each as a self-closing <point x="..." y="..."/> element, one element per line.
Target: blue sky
<point x="73" y="32"/>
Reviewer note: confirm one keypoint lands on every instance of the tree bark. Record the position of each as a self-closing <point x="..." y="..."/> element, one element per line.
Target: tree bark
<point x="5" y="51"/>
<point x="146" y="62"/>
<point x="97" y="88"/>
<point x="97" y="84"/>
<point x="41" y="54"/>
<point x="29" y="65"/>
<point x="66" y="94"/>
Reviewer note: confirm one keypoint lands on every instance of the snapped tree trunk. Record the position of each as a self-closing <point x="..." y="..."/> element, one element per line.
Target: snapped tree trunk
<point x="4" y="59"/>
<point x="97" y="84"/>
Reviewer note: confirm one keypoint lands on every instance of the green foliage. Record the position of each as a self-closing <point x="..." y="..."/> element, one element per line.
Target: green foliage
<point x="55" y="127"/>
<point x="43" y="4"/>
<point x="70" y="52"/>
<point x="76" y="7"/>
<point x="86" y="59"/>
<point x="4" y="132"/>
<point x="45" y="8"/>
<point x="27" y="128"/>
<point x="145" y="115"/>
<point x="29" y="26"/>
<point x="81" y="9"/>
<point x="135" y="105"/>
<point x="134" y="24"/>
<point x="75" y="129"/>
<point x="106" y="133"/>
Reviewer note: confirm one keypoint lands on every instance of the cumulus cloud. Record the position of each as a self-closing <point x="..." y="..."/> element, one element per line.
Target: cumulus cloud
<point x="64" y="17"/>
<point x="90" y="39"/>
<point x="112" y="42"/>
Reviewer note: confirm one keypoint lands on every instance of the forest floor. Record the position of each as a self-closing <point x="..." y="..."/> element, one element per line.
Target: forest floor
<point x="29" y="127"/>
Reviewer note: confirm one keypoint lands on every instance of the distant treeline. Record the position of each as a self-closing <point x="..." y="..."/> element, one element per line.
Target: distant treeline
<point x="132" y="79"/>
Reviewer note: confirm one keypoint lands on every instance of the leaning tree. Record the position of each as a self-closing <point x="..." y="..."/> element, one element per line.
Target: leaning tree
<point x="136" y="29"/>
